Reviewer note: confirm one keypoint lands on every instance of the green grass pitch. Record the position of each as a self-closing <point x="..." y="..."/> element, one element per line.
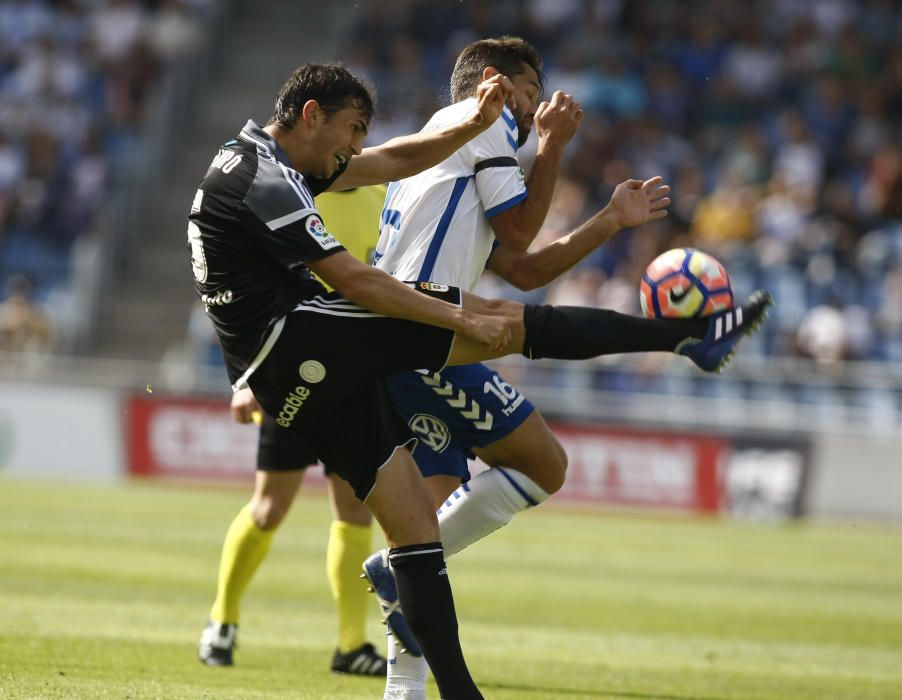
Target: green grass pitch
<point x="104" y="590"/>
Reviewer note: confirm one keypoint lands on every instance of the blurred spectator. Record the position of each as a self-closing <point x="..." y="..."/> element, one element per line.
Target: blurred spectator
<point x="830" y="333"/>
<point x="76" y="81"/>
<point x="579" y="288"/>
<point x="751" y="64"/>
<point x="618" y="293"/>
<point x="173" y="32"/>
<point x="822" y="335"/>
<point x="614" y="90"/>
<point x="24" y="327"/>
<point x="668" y="100"/>
<point x="746" y="159"/>
<point x="782" y="213"/>
<point x="881" y="195"/>
<point x="116" y="27"/>
<point x="799" y="161"/>
<point x="725" y="217"/>
<point x="889" y="313"/>
<point x="40" y="195"/>
<point x="46" y="67"/>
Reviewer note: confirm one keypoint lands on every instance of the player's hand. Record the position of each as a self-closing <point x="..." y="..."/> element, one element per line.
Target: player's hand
<point x="635" y="202"/>
<point x="494" y="331"/>
<point x="557" y="120"/>
<point x="244" y="405"/>
<point x="491" y="96"/>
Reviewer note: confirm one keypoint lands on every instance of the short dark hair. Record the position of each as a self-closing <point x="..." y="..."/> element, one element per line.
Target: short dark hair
<point x="334" y="87"/>
<point x="506" y="54"/>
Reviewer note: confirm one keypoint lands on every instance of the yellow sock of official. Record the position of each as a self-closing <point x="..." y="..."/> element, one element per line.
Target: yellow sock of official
<point x="245" y="547"/>
<point x="348" y="546"/>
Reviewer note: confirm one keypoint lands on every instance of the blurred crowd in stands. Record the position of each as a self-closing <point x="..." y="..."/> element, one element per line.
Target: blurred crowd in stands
<point x="778" y="124"/>
<point x="77" y="79"/>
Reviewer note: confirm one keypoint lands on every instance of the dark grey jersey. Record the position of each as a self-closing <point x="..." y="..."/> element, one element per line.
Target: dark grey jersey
<point x="252" y="229"/>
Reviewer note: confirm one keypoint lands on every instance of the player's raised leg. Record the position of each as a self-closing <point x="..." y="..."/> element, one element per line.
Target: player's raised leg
<point x="576" y="332"/>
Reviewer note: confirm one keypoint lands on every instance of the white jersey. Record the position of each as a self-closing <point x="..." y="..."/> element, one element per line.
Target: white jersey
<point x="435" y="225"/>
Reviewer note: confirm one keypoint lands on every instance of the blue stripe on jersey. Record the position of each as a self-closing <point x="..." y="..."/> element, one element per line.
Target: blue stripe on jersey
<point x="509" y="118"/>
<point x="504" y="206"/>
<point x="391" y="217"/>
<point x="385" y="216"/>
<point x="519" y="489"/>
<point x="512" y="142"/>
<point x="438" y="237"/>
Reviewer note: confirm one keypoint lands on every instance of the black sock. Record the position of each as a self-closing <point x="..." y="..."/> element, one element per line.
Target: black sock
<point x="578" y="333"/>
<point x="425" y="595"/>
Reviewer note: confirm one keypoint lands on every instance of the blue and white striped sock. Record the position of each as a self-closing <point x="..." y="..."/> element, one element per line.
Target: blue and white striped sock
<point x="484" y="504"/>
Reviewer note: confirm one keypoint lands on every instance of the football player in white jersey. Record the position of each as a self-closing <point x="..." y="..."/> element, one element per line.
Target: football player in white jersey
<point x="475" y="211"/>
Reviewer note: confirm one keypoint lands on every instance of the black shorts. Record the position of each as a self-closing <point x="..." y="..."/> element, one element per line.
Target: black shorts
<point x="282" y="449"/>
<point x="324" y="377"/>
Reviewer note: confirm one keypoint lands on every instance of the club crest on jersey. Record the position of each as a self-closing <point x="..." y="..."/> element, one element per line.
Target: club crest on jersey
<point x="312" y="371"/>
<point x="433" y="287"/>
<point x="317" y="229"/>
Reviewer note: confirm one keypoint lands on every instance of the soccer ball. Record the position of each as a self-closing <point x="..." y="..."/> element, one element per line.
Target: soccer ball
<point x="684" y="283"/>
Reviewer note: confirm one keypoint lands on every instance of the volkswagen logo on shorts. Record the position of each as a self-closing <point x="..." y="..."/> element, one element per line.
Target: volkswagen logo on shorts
<point x="312" y="371"/>
<point x="431" y="431"/>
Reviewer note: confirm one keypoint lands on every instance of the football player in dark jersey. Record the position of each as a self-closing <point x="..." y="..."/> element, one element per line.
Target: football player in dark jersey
<point x="282" y="459"/>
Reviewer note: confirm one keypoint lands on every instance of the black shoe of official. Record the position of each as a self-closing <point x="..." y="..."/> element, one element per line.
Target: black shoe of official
<point x="362" y="661"/>
<point x="217" y="642"/>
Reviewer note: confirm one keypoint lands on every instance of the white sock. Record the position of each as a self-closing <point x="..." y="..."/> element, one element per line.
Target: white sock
<point x="406" y="674"/>
<point x="484" y="504"/>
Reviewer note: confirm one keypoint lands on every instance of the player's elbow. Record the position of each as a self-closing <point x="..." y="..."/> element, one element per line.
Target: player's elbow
<point x="358" y="287"/>
<point x="350" y="288"/>
<point x="524" y="277"/>
<point x="515" y="231"/>
<point x="517" y="242"/>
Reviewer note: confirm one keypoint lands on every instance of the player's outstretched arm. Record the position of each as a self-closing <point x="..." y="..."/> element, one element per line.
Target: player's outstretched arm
<point x="556" y="123"/>
<point x="633" y="203"/>
<point x="408" y="155"/>
<point x="380" y="292"/>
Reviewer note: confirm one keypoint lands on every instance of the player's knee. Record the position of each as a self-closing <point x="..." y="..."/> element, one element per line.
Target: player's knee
<point x="559" y="469"/>
<point x="553" y="471"/>
<point x="353" y="514"/>
<point x="416" y="526"/>
<point x="554" y="474"/>
<point x="505" y="307"/>
<point x="269" y="512"/>
<point x="495" y="307"/>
